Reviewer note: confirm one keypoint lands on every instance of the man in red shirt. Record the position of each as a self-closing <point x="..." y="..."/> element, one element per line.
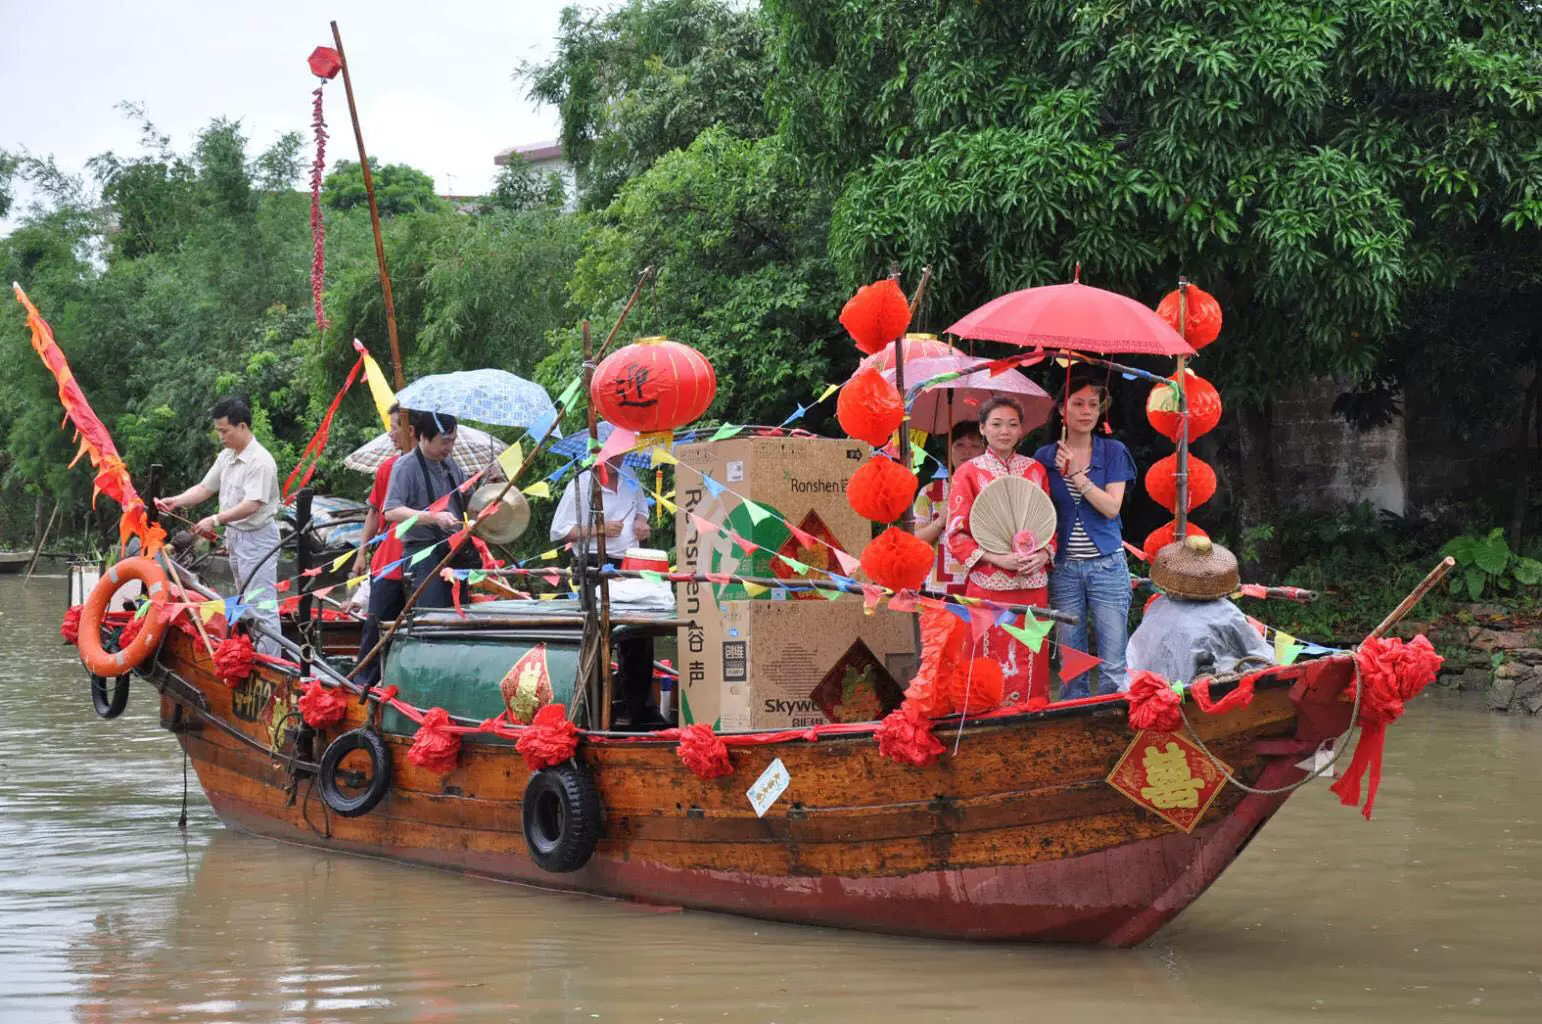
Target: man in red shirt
<point x="387" y="590"/>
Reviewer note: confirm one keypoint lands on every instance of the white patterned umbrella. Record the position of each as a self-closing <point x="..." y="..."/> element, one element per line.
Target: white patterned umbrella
<point x="482" y="396"/>
<point x="473" y="450"/>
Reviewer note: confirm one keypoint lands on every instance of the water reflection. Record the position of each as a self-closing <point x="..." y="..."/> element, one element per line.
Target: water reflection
<point x="111" y="914"/>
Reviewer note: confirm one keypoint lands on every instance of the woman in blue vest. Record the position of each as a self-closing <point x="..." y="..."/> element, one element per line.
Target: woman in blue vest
<point x="1091" y="579"/>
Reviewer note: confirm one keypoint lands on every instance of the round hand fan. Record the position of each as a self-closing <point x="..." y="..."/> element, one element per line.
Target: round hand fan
<point x="1012" y="514"/>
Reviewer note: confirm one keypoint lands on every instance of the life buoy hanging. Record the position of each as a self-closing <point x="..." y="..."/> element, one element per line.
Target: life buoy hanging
<point x="561" y="817"/>
<point x="112" y="664"/>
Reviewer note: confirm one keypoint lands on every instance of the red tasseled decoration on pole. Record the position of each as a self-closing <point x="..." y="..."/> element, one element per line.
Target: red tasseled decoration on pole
<point x="435" y="747"/>
<point x="898" y="560"/>
<point x="550" y="739"/>
<point x="876" y="315"/>
<point x="1393" y="673"/>
<point x="881" y="490"/>
<point x="321" y="707"/>
<point x="318" y="228"/>
<point x="1154" y="704"/>
<point x="704" y="752"/>
<point x="979" y="688"/>
<point x="70" y="627"/>
<point x="234" y="660"/>
<point x="905" y="736"/>
<point x="869" y="408"/>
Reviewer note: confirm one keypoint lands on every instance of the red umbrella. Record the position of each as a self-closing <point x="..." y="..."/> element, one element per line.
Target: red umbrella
<point x="1073" y="316"/>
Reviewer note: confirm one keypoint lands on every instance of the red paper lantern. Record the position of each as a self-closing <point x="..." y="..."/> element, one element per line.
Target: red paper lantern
<point x="869" y="408"/>
<point x="1204" y="316"/>
<point x="1162" y="482"/>
<point x="1204" y="408"/>
<point x="325" y="62"/>
<point x="653" y="385"/>
<point x="982" y="683"/>
<point x="1162" y="536"/>
<point x="881" y="490"/>
<point x="898" y="560"/>
<point x="876" y="315"/>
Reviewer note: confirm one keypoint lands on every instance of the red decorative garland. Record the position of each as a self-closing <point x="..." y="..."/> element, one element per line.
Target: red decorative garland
<point x="1154" y="704"/>
<point x="321" y="707"/>
<point x="703" y="752"/>
<point x="318" y="227"/>
<point x="435" y="746"/>
<point x="234" y="659"/>
<point x="550" y="739"/>
<point x="1393" y="673"/>
<point x="905" y="736"/>
<point x="70" y="627"/>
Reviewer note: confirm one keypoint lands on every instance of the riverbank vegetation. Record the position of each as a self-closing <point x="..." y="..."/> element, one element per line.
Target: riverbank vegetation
<point x="1359" y="183"/>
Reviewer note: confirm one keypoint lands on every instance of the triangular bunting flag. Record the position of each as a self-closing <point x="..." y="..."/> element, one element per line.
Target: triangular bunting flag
<point x="1074" y="663"/>
<point x="539" y="489"/>
<point x="726" y="431"/>
<point x="904" y="601"/>
<point x="829" y="390"/>
<point x="401" y="531"/>
<point x="1286" y="650"/>
<point x="849" y="564"/>
<point x="713" y="487"/>
<point x="756" y="513"/>
<point x="754" y="589"/>
<point x="1031" y="633"/>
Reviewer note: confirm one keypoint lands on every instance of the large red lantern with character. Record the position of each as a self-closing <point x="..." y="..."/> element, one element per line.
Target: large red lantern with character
<point x="1204" y="407"/>
<point x="653" y="385"/>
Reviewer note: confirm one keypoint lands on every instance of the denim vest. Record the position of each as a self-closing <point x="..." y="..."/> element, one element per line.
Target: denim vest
<point x="1111" y="464"/>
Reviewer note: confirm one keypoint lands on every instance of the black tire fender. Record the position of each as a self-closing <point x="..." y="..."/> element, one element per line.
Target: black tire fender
<point x="370" y="742"/>
<point x="561" y="817"/>
<point x="109" y="706"/>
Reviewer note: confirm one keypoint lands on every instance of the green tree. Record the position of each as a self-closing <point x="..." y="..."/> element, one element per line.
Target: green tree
<point x="398" y="188"/>
<point x="520" y="186"/>
<point x="646" y="78"/>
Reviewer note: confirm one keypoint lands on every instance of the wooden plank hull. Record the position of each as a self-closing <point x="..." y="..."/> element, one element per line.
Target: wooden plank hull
<point x="1016" y="836"/>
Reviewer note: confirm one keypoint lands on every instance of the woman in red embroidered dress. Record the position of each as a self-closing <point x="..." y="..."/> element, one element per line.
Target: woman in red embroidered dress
<point x="1010" y="578"/>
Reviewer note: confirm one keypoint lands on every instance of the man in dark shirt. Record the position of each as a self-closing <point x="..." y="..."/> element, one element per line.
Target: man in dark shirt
<point x="419" y="479"/>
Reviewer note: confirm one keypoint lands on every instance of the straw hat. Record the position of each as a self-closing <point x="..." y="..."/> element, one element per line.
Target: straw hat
<point x="508" y="521"/>
<point x="1196" y="569"/>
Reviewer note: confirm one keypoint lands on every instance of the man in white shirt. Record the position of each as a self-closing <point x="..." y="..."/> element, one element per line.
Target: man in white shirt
<point x="626" y="515"/>
<point x="245" y="478"/>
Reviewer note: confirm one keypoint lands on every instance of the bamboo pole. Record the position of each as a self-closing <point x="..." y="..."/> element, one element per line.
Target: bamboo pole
<point x="1182" y="476"/>
<point x="596" y="528"/>
<point x="1406" y="605"/>
<point x="37" y="549"/>
<point x="540" y="446"/>
<point x="374" y="214"/>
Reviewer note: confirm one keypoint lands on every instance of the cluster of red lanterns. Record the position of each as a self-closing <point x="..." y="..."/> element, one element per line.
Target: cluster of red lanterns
<point x="1196" y="315"/>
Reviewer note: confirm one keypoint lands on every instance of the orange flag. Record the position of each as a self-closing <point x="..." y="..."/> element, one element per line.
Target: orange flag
<point x="112" y="476"/>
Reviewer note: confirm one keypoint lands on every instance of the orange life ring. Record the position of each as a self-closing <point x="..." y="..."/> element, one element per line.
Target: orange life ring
<point x="108" y="664"/>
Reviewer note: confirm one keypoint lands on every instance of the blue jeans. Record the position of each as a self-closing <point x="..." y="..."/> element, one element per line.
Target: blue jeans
<point x="1097" y="589"/>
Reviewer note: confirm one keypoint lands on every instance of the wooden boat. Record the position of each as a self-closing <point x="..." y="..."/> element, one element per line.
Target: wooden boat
<point x="1013" y="835"/>
<point x="12" y="562"/>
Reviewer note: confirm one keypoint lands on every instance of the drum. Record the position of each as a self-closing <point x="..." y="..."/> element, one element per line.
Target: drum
<point x="645" y="558"/>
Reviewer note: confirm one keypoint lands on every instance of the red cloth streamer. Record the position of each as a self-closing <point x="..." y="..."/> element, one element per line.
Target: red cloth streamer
<point x="435" y="746"/>
<point x="550" y="739"/>
<point x="1238" y="698"/>
<point x="234" y="660"/>
<point x="703" y="752"/>
<point x="905" y="736"/>
<point x="318" y="226"/>
<point x="321" y="707"/>
<point x="70" y="627"/>
<point x="318" y="442"/>
<point x="881" y="490"/>
<point x="1393" y="673"/>
<point x="1154" y="704"/>
<point x="876" y="315"/>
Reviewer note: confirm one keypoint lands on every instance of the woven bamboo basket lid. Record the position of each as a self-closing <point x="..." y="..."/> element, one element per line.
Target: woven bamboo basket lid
<point x="1196" y="569"/>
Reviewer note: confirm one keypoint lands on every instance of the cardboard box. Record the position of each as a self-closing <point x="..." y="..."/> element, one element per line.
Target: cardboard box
<point x="755" y="663"/>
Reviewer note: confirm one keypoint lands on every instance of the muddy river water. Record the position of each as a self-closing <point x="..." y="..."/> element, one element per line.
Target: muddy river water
<point x="109" y="912"/>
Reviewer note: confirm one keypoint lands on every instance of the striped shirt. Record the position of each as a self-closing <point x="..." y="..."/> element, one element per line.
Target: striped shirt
<point x="1078" y="544"/>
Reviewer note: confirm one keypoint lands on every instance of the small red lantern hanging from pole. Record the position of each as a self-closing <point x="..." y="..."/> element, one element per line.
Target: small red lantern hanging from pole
<point x="1200" y="322"/>
<point x="653" y="385"/>
<point x="1165" y="416"/>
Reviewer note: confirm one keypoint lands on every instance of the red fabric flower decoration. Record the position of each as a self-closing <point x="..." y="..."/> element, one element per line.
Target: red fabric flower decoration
<point x="876" y="315"/>
<point x="704" y="752"/>
<point x="1203" y="320"/>
<point x="869" y="408"/>
<point x="1393" y="673"/>
<point x="435" y="747"/>
<point x="550" y="739"/>
<point x="234" y="660"/>
<point x="1154" y="704"/>
<point x="1162" y="536"/>
<point x="905" y="736"/>
<point x="898" y="560"/>
<point x="1162" y="482"/>
<point x="981" y="682"/>
<point x="881" y="490"/>
<point x="70" y="627"/>
<point x="321" y="707"/>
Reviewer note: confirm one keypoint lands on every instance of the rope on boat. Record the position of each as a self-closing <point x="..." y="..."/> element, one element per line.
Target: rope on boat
<point x="1315" y="773"/>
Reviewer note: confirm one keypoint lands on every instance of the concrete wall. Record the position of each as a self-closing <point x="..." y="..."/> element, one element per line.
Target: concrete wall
<point x="1323" y="462"/>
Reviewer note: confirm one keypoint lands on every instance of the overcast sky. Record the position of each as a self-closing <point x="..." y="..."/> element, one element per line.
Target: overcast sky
<point x="434" y="80"/>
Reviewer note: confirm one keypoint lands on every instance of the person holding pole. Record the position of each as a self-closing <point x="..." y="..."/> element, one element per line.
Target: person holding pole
<point x="387" y="587"/>
<point x="245" y="478"/>
<point x="425" y="488"/>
